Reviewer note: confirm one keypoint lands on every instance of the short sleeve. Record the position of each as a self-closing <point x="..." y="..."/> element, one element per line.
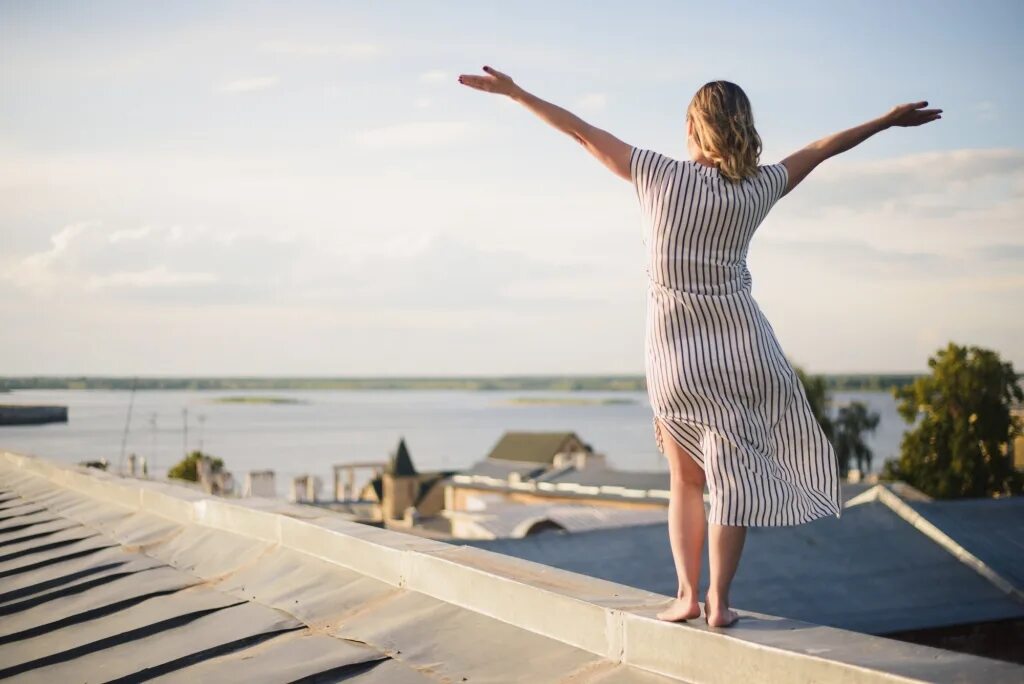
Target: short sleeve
<point x="778" y="179"/>
<point x="649" y="171"/>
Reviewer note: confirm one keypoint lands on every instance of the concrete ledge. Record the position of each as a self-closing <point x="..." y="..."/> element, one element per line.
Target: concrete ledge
<point x="613" y="621"/>
<point x="522" y="593"/>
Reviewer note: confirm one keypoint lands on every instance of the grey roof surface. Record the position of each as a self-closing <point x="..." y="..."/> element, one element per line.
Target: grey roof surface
<point x="497" y="468"/>
<point x="991" y="529"/>
<point x="189" y="603"/>
<point x="869" y="571"/>
<point x="111" y="579"/>
<point x="596" y="476"/>
<point x="516" y="520"/>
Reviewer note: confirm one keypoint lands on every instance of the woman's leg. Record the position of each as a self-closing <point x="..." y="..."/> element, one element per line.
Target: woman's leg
<point x="725" y="544"/>
<point x="687" y="526"/>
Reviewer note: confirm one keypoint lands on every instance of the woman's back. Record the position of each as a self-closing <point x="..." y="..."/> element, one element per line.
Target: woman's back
<point x="698" y="224"/>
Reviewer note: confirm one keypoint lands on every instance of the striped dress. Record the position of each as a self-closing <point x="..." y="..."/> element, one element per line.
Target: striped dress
<point x="717" y="378"/>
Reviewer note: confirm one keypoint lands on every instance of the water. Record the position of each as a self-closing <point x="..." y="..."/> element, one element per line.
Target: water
<point x="443" y="429"/>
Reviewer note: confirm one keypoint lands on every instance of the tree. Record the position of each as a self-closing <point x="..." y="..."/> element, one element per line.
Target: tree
<point x="188" y="467"/>
<point x="818" y="398"/>
<point x="850" y="425"/>
<point x="960" y="445"/>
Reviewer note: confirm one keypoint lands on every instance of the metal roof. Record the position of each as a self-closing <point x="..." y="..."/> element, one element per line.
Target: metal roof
<point x="990" y="529"/>
<point x="108" y="579"/>
<point x="128" y="595"/>
<point x="516" y="520"/>
<point x="870" y="571"/>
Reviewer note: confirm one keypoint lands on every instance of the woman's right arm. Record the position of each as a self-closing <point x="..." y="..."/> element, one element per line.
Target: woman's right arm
<point x="802" y="162"/>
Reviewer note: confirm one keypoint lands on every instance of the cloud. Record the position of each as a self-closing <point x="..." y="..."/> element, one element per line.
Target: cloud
<point x="199" y="267"/>
<point x="185" y="264"/>
<point x="861" y="258"/>
<point x="307" y="256"/>
<point x="158" y="276"/>
<point x="928" y="182"/>
<point x="301" y="49"/>
<point x="129" y="234"/>
<point x="948" y="201"/>
<point x="415" y="134"/>
<point x="434" y="76"/>
<point x="593" y="101"/>
<point x="248" y="85"/>
<point x="1003" y="252"/>
<point x="443" y="272"/>
<point x="421" y="102"/>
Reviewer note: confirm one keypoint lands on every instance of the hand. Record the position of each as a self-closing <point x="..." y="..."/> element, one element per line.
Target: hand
<point x="496" y="82"/>
<point x="911" y="114"/>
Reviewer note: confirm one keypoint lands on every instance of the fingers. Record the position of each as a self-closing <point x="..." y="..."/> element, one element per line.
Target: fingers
<point x="478" y="82"/>
<point x="496" y="73"/>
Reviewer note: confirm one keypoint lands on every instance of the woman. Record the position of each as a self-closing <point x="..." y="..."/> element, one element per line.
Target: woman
<point x="729" y="410"/>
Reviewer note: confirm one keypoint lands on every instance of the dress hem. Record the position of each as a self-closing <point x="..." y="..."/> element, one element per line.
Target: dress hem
<point x="821" y="505"/>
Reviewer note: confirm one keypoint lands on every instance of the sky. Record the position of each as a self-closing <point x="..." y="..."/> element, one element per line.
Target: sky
<point x="208" y="188"/>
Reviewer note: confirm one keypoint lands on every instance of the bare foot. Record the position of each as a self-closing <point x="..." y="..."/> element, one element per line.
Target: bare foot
<point x="680" y="609"/>
<point x="717" y="613"/>
<point x="723" y="618"/>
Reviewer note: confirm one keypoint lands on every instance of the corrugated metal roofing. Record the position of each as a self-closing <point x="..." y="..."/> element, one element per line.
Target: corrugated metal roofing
<point x="188" y="603"/>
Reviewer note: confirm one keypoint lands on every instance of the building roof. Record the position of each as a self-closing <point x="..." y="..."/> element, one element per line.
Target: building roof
<point x="531" y="447"/>
<point x="870" y="571"/>
<point x="104" y="578"/>
<point x="499" y="470"/>
<point x="992" y="530"/>
<point x="400" y="463"/>
<point x="598" y="476"/>
<point x="519" y="520"/>
<point x="592" y="482"/>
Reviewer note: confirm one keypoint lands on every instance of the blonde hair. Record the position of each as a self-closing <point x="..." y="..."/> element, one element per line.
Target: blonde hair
<point x="723" y="128"/>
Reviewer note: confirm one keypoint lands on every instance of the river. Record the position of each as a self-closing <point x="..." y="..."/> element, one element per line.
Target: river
<point x="443" y="429"/>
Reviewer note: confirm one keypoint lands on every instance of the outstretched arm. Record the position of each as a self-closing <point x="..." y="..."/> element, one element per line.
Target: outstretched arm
<point x="802" y="162"/>
<point x="608" y="149"/>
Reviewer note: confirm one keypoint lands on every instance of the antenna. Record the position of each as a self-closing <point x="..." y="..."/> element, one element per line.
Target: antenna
<point x="202" y="419"/>
<point x="152" y="456"/>
<point x="127" y="421"/>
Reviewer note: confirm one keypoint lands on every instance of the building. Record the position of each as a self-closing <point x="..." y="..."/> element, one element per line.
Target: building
<point x="405" y="495"/>
<point x="537" y="482"/>
<point x="105" y="578"/>
<point x="551" y="467"/>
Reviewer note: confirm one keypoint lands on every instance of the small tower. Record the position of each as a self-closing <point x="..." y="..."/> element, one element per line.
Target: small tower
<point x="400" y="484"/>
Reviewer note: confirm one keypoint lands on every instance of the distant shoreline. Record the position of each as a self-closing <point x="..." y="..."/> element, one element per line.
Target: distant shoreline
<point x="594" y="383"/>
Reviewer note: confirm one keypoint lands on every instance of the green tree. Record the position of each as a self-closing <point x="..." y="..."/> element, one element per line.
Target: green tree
<point x="188" y="467"/>
<point x="819" y="399"/>
<point x="851" y="423"/>
<point x="960" y="445"/>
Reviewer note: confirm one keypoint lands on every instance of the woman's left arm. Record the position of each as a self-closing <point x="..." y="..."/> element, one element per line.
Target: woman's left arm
<point x="608" y="149"/>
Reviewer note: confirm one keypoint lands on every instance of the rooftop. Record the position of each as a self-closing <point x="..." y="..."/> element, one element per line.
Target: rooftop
<point x="888" y="565"/>
<point x="104" y="578"/>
